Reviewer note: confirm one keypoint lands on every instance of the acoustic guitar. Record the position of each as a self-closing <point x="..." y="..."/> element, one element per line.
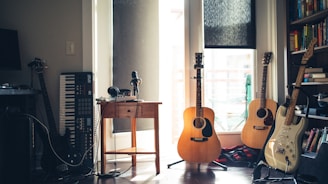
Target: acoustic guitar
<point x="261" y="114"/>
<point x="283" y="149"/>
<point x="198" y="142"/>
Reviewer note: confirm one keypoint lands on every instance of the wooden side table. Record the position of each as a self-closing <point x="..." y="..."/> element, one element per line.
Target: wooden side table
<point x="131" y="110"/>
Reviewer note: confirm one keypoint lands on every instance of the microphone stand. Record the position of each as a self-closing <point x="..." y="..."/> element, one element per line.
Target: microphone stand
<point x="135" y="83"/>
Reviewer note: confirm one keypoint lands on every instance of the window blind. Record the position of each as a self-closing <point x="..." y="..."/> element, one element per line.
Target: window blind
<point x="229" y="24"/>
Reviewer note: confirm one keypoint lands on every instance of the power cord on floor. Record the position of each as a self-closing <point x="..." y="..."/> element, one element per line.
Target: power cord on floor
<point x="115" y="173"/>
<point x="53" y="149"/>
<point x="66" y="175"/>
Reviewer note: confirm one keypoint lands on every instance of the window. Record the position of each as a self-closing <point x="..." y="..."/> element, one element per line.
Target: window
<point x="227" y="75"/>
<point x="229" y="24"/>
<point x="226" y="72"/>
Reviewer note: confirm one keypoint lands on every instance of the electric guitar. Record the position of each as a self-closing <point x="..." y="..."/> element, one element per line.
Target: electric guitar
<point x="283" y="149"/>
<point x="59" y="144"/>
<point x="261" y="114"/>
<point x="198" y="142"/>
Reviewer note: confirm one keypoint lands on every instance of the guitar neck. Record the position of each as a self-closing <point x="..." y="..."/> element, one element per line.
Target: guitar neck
<point x="50" y="117"/>
<point x="263" y="89"/>
<point x="198" y="66"/>
<point x="293" y="100"/>
<point x="199" y="112"/>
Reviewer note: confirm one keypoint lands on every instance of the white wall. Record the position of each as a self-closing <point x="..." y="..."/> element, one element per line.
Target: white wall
<point x="45" y="26"/>
<point x="43" y="29"/>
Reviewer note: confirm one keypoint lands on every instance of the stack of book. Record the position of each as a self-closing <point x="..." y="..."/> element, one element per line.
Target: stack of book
<point x="301" y="36"/>
<point x="315" y="75"/>
<point x="315" y="138"/>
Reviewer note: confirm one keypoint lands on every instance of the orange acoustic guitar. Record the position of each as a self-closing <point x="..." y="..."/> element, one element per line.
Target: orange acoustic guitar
<point x="198" y="142"/>
<point x="261" y="114"/>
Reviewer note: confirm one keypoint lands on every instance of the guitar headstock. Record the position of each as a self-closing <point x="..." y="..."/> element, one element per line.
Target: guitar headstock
<point x="198" y="57"/>
<point x="267" y="58"/>
<point x="38" y="65"/>
<point x="309" y="52"/>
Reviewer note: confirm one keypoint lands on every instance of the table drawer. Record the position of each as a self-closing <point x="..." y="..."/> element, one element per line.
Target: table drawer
<point x="128" y="111"/>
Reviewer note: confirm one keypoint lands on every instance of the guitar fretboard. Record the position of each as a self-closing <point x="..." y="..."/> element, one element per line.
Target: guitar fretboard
<point x="263" y="89"/>
<point x="198" y="66"/>
<point x="291" y="108"/>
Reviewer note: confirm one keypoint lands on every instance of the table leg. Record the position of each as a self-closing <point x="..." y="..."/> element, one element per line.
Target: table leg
<point x="133" y="139"/>
<point x="103" y="146"/>
<point x="156" y="132"/>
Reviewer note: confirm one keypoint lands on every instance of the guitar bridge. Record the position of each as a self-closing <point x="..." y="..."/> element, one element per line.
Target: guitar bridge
<point x="199" y="139"/>
<point x="260" y="127"/>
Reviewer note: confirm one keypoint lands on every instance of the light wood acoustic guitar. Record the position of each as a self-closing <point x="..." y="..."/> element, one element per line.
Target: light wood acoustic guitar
<point x="198" y="142"/>
<point x="283" y="149"/>
<point x="261" y="114"/>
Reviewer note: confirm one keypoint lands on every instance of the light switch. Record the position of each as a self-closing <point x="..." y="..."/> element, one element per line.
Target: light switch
<point x="70" y="48"/>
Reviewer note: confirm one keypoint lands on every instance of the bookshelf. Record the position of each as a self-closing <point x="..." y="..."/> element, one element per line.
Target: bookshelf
<point x="307" y="19"/>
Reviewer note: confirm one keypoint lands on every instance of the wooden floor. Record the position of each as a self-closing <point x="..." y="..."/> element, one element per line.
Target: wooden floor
<point x="121" y="171"/>
<point x="144" y="173"/>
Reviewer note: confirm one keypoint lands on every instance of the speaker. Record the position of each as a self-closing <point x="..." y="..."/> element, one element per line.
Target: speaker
<point x="113" y="91"/>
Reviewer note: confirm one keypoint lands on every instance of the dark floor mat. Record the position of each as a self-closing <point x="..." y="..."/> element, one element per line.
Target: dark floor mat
<point x="240" y="155"/>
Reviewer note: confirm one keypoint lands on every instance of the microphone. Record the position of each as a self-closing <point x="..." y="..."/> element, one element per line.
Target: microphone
<point x="135" y="82"/>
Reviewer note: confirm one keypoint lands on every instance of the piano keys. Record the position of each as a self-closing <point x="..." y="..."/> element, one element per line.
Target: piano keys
<point x="76" y="114"/>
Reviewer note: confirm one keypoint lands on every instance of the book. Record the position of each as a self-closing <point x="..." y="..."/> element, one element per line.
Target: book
<point x="313" y="146"/>
<point x="315" y="80"/>
<point x="316" y="75"/>
<point x="292" y="41"/>
<point x="310" y="139"/>
<point x="313" y="70"/>
<point x="323" y="137"/>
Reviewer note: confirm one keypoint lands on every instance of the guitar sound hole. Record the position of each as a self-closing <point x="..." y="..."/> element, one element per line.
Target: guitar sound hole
<point x="261" y="113"/>
<point x="207" y="131"/>
<point x="199" y="122"/>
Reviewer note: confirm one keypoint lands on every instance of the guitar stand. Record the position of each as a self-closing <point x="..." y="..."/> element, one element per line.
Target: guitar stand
<point x="257" y="175"/>
<point x="224" y="167"/>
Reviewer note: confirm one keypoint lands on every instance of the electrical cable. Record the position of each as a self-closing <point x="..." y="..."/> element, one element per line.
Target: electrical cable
<point x="115" y="173"/>
<point x="53" y="149"/>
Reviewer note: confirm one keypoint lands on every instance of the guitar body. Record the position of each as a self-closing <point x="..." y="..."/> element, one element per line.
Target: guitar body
<point x="261" y="114"/>
<point x="258" y="123"/>
<point x="199" y="143"/>
<point x="49" y="161"/>
<point x="283" y="149"/>
<point x="285" y="142"/>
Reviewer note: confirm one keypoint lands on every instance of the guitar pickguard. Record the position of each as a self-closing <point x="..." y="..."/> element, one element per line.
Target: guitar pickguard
<point x="207" y="130"/>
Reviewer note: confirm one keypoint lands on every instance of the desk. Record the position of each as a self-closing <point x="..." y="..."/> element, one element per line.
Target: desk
<point x="130" y="110"/>
<point x="17" y="147"/>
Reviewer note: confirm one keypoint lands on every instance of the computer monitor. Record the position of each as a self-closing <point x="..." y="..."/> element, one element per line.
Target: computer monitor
<point x="9" y="50"/>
